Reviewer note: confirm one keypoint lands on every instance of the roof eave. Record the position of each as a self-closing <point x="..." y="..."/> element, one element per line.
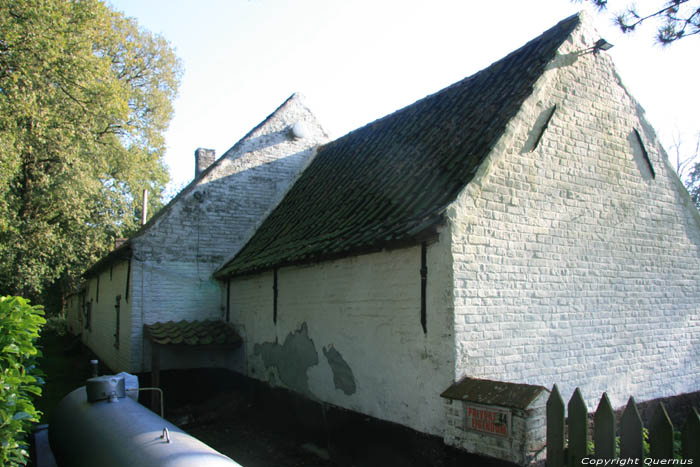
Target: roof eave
<point x="121" y="253"/>
<point x="429" y="233"/>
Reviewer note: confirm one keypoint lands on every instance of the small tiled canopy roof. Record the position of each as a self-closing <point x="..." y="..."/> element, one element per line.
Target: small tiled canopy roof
<point x="484" y="391"/>
<point x="192" y="333"/>
<point x="389" y="183"/>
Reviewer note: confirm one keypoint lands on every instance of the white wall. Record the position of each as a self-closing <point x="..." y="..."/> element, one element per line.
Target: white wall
<point x="100" y="337"/>
<point x="73" y="310"/>
<point x="573" y="265"/>
<point x="367" y="309"/>
<point x="174" y="258"/>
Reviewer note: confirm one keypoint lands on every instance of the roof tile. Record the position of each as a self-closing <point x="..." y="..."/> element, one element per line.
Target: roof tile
<point x="192" y="333"/>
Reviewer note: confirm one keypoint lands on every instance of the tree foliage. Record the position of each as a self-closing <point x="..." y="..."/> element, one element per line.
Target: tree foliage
<point x="684" y="157"/>
<point x="676" y="18"/>
<point x="692" y="181"/>
<point x="21" y="381"/>
<point x="85" y="97"/>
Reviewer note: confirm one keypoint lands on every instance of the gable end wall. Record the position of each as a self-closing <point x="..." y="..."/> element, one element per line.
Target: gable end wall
<point x="175" y="257"/>
<point x="573" y="265"/>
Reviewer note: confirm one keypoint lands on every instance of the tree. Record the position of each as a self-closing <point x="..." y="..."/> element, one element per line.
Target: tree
<point x="85" y="97"/>
<point x="677" y="18"/>
<point x="691" y="175"/>
<point x="686" y="164"/>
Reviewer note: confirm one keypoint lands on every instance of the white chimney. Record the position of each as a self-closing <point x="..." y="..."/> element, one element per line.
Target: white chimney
<point x="203" y="158"/>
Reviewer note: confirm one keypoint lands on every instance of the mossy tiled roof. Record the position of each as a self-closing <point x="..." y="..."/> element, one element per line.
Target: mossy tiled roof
<point x="503" y="394"/>
<point x="390" y="182"/>
<point x="193" y="333"/>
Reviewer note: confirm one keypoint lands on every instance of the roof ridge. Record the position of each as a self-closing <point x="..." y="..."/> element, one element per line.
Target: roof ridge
<point x="576" y="16"/>
<point x="296" y="96"/>
<point x="390" y="180"/>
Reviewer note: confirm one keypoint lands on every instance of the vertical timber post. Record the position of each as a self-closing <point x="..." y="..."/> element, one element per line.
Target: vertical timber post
<point x="423" y="286"/>
<point x="128" y="279"/>
<point x="274" y="297"/>
<point x="155" y="376"/>
<point x="228" y="300"/>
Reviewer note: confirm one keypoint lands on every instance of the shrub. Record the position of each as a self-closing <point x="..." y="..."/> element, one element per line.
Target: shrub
<point x="57" y="325"/>
<point x="20" y="380"/>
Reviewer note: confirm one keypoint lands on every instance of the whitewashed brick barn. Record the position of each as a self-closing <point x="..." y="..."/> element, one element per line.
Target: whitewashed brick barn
<point x="164" y="272"/>
<point x="522" y="225"/>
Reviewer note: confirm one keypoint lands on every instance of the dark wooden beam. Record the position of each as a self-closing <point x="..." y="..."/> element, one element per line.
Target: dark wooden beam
<point x="155" y="376"/>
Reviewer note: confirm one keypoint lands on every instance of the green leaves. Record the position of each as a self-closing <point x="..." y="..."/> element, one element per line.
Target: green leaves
<point x="19" y="378"/>
<point x="85" y="97"/>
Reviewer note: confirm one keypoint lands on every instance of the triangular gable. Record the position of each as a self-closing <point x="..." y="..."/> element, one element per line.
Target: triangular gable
<point x="389" y="183"/>
<point x="238" y="150"/>
<point x="291" y="111"/>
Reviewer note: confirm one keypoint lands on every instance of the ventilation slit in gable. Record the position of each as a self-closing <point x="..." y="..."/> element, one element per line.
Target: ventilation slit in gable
<point x="645" y="154"/>
<point x="541" y="125"/>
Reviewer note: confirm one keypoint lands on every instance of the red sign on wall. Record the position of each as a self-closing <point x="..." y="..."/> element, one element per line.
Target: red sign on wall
<point x="485" y="419"/>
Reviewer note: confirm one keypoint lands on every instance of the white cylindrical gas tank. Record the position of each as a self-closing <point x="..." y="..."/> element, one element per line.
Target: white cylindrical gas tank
<point x="116" y="431"/>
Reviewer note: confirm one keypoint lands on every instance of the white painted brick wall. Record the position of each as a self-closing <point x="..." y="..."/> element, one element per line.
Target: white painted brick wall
<point x="368" y="308"/>
<point x="572" y="265"/>
<point x="173" y="260"/>
<point x="525" y="445"/>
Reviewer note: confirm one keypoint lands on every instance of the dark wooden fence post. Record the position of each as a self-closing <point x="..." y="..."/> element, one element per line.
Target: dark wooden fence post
<point x="604" y="429"/>
<point x="631" y="432"/>
<point x="690" y="438"/>
<point x="661" y="434"/>
<point x="555" y="429"/>
<point x="578" y="429"/>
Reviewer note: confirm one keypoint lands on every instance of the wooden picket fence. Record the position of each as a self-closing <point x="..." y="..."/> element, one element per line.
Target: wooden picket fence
<point x="631" y="433"/>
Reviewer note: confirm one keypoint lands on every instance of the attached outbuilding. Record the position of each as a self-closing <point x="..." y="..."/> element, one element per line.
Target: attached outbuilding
<point x="522" y="225"/>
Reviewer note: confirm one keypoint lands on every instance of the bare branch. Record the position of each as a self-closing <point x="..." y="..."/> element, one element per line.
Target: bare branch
<point x="677" y="22"/>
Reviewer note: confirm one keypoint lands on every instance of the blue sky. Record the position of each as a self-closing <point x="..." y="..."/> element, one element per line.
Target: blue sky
<point x="356" y="61"/>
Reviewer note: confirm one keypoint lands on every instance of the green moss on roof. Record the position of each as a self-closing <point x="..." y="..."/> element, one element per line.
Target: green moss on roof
<point x="503" y="394"/>
<point x="390" y="182"/>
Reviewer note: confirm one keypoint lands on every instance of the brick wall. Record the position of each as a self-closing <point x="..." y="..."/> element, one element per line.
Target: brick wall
<point x="363" y="311"/>
<point x="210" y="220"/>
<point x="524" y="445"/>
<point x="573" y="264"/>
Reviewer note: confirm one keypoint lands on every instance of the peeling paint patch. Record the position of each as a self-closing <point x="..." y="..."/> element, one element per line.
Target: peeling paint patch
<point x="343" y="378"/>
<point x="292" y="359"/>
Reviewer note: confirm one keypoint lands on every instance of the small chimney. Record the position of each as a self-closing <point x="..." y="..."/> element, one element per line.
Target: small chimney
<point x="203" y="158"/>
